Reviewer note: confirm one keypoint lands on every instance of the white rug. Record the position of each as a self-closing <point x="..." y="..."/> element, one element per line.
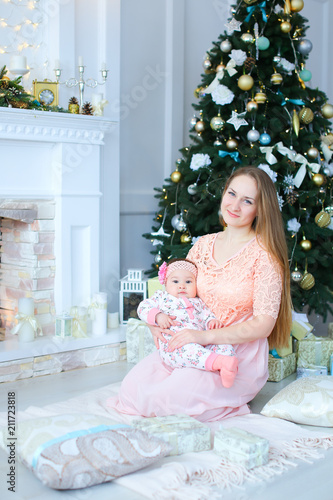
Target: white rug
<point x="191" y="476"/>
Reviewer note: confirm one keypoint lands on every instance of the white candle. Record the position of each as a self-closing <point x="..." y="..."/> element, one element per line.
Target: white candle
<point x="99" y="319"/>
<point x="103" y="67"/>
<point x="26" y="306"/>
<point x="57" y="64"/>
<point x="18" y="62"/>
<point x="113" y="320"/>
<point x="96" y="99"/>
<point x="80" y="60"/>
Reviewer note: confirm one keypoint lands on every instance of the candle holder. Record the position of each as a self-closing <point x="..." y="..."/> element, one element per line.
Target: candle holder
<point x="81" y="82"/>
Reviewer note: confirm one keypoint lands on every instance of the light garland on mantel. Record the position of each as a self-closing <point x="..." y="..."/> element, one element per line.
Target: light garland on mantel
<point x="20" y="41"/>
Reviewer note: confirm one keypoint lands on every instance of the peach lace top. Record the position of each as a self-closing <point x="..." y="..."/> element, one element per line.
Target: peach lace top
<point x="247" y="284"/>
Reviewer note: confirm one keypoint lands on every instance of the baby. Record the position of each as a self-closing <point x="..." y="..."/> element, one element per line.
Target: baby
<point x="180" y="300"/>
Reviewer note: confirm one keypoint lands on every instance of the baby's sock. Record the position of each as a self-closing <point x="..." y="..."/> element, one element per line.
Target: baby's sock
<point x="226" y="365"/>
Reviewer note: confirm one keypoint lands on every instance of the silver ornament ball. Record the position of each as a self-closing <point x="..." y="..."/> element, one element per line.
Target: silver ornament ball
<point x="253" y="135"/>
<point x="247" y="38"/>
<point x="207" y="64"/>
<point x="217" y="123"/>
<point x="175" y="220"/>
<point x="158" y="258"/>
<point x="192" y="188"/>
<point x="226" y="46"/>
<point x="304" y="47"/>
<point x="296" y="276"/>
<point x="181" y="226"/>
<point x="217" y="142"/>
<point x="193" y="121"/>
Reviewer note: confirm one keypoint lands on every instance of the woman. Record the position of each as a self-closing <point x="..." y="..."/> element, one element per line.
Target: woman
<point x="243" y="277"/>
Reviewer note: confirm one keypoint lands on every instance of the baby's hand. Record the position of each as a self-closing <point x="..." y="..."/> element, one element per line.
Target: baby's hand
<point x="215" y="323"/>
<point x="163" y="320"/>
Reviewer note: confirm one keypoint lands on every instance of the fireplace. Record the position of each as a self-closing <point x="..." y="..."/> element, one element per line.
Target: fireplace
<point x="49" y="206"/>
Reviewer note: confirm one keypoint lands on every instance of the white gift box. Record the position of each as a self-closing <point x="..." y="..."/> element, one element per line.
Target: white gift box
<point x="139" y="341"/>
<point x="241" y="447"/>
<point x="184" y="433"/>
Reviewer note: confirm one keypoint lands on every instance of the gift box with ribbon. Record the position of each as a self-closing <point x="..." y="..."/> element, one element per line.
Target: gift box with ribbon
<point x="241" y="447"/>
<point x="139" y="340"/>
<point x="80" y="320"/>
<point x="311" y="372"/>
<point x="184" y="433"/>
<point x="300" y="326"/>
<point x="280" y="368"/>
<point x="314" y="351"/>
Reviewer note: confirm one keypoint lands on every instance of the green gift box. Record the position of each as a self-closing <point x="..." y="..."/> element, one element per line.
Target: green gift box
<point x="241" y="447"/>
<point x="184" y="433"/>
<point x="154" y="285"/>
<point x="314" y="351"/>
<point x="280" y="368"/>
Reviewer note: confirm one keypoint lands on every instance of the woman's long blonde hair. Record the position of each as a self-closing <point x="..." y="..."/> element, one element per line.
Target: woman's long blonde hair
<point x="268" y="225"/>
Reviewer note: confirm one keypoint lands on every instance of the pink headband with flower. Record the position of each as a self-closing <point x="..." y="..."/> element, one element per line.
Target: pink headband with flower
<point x="165" y="270"/>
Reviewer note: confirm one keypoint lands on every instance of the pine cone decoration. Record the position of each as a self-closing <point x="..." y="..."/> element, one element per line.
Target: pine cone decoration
<point x="249" y="63"/>
<point x="87" y="109"/>
<point x="291" y="197"/>
<point x="73" y="100"/>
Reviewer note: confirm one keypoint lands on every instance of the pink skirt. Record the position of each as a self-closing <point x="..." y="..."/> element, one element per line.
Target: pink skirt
<point x="153" y="389"/>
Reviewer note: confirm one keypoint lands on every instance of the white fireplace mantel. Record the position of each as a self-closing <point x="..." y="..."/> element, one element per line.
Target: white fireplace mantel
<point x="48" y="126"/>
<point x="58" y="156"/>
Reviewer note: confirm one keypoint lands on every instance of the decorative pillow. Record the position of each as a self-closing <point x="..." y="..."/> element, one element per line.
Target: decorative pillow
<point x="308" y="400"/>
<point x="75" y="451"/>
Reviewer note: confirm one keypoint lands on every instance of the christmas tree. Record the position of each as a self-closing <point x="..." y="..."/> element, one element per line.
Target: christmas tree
<point x="256" y="107"/>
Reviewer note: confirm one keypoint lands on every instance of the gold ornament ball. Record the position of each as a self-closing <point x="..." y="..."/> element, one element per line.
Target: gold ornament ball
<point x="285" y="27"/>
<point x="297" y="5"/>
<point x="220" y="68"/>
<point x="306" y="115"/>
<point x="313" y="153"/>
<point x="318" y="179"/>
<point x="197" y="92"/>
<point x="250" y="2"/>
<point x="185" y="238"/>
<point x="306" y="245"/>
<point x="307" y="281"/>
<point x="176" y="176"/>
<point x="327" y="111"/>
<point x="276" y="79"/>
<point x="260" y="97"/>
<point x="217" y="123"/>
<point x="252" y="106"/>
<point x="199" y="126"/>
<point x="231" y="144"/>
<point x="245" y="82"/>
<point x="323" y="219"/>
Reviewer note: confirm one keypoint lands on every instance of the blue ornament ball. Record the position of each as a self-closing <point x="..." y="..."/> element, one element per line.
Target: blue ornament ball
<point x="263" y="43"/>
<point x="265" y="139"/>
<point x="306" y="75"/>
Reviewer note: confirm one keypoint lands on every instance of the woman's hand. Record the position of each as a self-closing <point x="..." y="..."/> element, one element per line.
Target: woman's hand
<point x="187" y="336"/>
<point x="157" y="331"/>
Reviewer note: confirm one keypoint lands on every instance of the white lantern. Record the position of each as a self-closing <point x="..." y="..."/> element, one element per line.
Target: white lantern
<point x="133" y="290"/>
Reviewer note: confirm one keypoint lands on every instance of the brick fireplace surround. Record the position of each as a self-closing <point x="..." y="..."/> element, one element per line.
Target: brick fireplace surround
<point x="50" y="232"/>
